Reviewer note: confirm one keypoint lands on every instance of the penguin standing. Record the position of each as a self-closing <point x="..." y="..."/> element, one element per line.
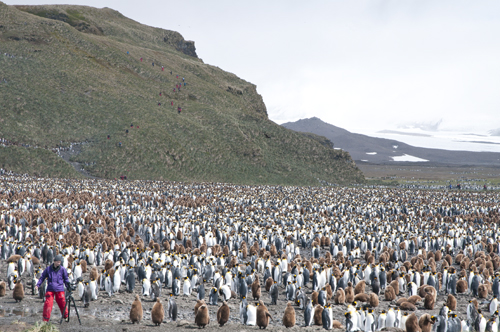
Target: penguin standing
<point x="493" y="306"/>
<point x="155" y="290"/>
<point x="349" y="323"/>
<point x="130" y="280"/>
<point x="376" y="286"/>
<point x="186" y="287"/>
<point x="327" y="318"/>
<point x="146" y="287"/>
<point x="243" y="311"/>
<point x="213" y="297"/>
<point x="108" y="285"/>
<point x="176" y="286"/>
<point x="474" y="286"/>
<point x="289" y="316"/>
<point x="274" y="291"/>
<point x="243" y="289"/>
<point x="172" y="308"/>
<point x="390" y="319"/>
<point x="223" y="314"/>
<point x="251" y="315"/>
<point x="157" y="313"/>
<point x="93" y="289"/>
<point x="117" y="280"/>
<point x="492" y="325"/>
<point x="201" y="292"/>
<point x="308" y="314"/>
<point x="87" y="295"/>
<point x="369" y="321"/>
<point x="136" y="310"/>
<point x="480" y="324"/>
<point x="381" y="320"/>
<point x="80" y="288"/>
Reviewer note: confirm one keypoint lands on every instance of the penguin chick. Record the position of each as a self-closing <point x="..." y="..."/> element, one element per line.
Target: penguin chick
<point x="339" y="297"/>
<point x="429" y="302"/>
<point x="349" y="293"/>
<point x="269" y="283"/>
<point x="374" y="301"/>
<point x="18" y="293"/>
<point x="407" y="306"/>
<point x="360" y="287"/>
<point x="389" y="294"/>
<point x="318" y="314"/>
<point x="223" y="314"/>
<point x="482" y="291"/>
<point x="412" y="324"/>
<point x="263" y="315"/>
<point x="425" y="323"/>
<point x="451" y="302"/>
<point x="202" y="318"/>
<point x="198" y="304"/>
<point x="157" y="313"/>
<point x="289" y="316"/>
<point x="363" y="297"/>
<point x="314" y="297"/>
<point x="3" y="288"/>
<point x="414" y="299"/>
<point x="136" y="310"/>
<point x="462" y="286"/>
<point x="256" y="289"/>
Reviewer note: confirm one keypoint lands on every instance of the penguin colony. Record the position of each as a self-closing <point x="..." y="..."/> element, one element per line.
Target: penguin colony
<point x="317" y="251"/>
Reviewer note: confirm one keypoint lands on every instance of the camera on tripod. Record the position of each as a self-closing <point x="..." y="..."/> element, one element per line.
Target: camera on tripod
<point x="70" y="287"/>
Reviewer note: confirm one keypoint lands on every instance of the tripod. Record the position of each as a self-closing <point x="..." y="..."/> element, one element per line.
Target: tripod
<point x="69" y="301"/>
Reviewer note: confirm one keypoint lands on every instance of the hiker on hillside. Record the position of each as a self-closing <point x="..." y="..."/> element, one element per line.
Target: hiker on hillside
<point x="109" y="137"/>
<point x="179" y="109"/>
<point x="162" y="68"/>
<point x="141" y="59"/>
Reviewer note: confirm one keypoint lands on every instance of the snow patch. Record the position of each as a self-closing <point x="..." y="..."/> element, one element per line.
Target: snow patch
<point x="395" y="146"/>
<point x="364" y="160"/>
<point x="407" y="157"/>
<point x="371" y="153"/>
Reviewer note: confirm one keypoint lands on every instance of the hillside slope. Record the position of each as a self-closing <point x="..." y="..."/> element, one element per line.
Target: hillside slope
<point x="363" y="147"/>
<point x="72" y="74"/>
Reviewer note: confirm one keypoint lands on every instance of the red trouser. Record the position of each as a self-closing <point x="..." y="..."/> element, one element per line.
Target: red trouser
<point x="49" y="302"/>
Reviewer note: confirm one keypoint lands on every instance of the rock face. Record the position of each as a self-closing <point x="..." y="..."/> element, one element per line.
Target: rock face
<point x="185" y="46"/>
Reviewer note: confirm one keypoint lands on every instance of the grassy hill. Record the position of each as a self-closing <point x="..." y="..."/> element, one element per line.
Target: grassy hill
<point x="74" y="74"/>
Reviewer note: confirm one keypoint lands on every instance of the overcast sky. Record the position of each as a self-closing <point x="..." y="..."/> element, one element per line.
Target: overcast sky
<point x="361" y="65"/>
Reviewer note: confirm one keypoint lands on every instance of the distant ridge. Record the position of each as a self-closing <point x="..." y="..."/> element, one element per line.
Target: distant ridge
<point x="362" y="147"/>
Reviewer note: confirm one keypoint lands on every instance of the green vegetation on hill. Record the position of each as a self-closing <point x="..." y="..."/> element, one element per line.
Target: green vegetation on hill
<point x="71" y="80"/>
<point x="38" y="162"/>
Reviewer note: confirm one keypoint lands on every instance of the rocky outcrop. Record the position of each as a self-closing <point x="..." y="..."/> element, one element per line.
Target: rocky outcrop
<point x="185" y="46"/>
